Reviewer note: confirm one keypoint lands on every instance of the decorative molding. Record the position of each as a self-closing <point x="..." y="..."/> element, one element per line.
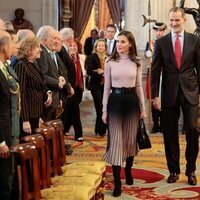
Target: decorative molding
<point x="66" y="14"/>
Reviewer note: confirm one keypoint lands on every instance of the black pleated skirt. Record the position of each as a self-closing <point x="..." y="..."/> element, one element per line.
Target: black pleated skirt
<point x="123" y="116"/>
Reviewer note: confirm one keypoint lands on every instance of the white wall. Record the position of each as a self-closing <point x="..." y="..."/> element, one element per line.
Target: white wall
<point x="159" y="11"/>
<point x="38" y="12"/>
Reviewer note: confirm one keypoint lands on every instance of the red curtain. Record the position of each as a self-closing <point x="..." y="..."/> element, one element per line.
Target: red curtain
<point x="81" y="12"/>
<point x="114" y="7"/>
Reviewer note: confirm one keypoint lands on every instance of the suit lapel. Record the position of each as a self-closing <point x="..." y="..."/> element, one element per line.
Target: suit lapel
<point x="171" y="49"/>
<point x="12" y="73"/>
<point x="49" y="59"/>
<point x="4" y="80"/>
<point x="186" y="44"/>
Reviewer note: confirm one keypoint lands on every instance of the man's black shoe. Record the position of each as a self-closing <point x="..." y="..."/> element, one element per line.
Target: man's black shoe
<point x="173" y="177"/>
<point x="192" y="180"/>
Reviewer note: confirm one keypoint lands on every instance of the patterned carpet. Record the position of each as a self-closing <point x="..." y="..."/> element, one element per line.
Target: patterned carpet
<point x="149" y="170"/>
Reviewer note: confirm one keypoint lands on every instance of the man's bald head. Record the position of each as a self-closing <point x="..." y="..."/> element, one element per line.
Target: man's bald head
<point x="5" y="46"/>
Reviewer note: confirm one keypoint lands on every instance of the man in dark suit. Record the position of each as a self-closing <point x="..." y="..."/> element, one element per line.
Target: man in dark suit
<point x="89" y="42"/>
<point x="110" y="38"/>
<point x="5" y="119"/>
<point x="177" y="55"/>
<point x="70" y="118"/>
<point x="51" y="69"/>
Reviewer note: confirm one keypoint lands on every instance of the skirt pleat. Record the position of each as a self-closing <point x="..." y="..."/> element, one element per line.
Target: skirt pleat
<point x="123" y="117"/>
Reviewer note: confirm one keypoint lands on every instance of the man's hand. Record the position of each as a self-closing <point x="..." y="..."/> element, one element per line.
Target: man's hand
<point x="61" y="103"/>
<point x="156" y="103"/>
<point x="148" y="54"/>
<point x="4" y="151"/>
<point x="61" y="82"/>
<point x="27" y="127"/>
<point x="49" y="100"/>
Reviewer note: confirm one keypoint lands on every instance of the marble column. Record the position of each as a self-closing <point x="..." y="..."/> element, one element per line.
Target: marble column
<point x="50" y="13"/>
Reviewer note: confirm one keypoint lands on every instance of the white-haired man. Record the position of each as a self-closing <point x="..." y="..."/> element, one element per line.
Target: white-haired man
<point x="67" y="117"/>
<point x="52" y="69"/>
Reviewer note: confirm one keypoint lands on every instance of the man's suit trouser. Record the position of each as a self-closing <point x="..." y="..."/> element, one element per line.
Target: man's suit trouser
<point x="71" y="115"/>
<point x="171" y="137"/>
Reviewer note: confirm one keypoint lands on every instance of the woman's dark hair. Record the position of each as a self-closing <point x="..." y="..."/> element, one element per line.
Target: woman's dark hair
<point x="79" y="45"/>
<point x="132" y="50"/>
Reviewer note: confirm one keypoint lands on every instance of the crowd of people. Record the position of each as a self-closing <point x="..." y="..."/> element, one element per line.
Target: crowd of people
<point x="43" y="72"/>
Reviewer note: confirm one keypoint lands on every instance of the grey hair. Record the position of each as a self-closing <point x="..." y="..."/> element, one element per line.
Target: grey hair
<point x="44" y="32"/>
<point x="22" y="33"/>
<point x="9" y="25"/>
<point x="67" y="33"/>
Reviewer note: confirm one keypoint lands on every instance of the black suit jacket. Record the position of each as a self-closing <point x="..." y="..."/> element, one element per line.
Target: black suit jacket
<point x="95" y="79"/>
<point x="188" y="77"/>
<point x="5" y="110"/>
<point x="88" y="46"/>
<point x="51" y="74"/>
<point x="33" y="91"/>
<point x="69" y="66"/>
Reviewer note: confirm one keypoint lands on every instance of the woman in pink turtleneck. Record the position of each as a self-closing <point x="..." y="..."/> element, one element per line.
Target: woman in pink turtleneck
<point x="123" y="105"/>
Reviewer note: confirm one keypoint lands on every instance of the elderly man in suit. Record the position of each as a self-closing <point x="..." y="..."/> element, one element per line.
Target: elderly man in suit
<point x="52" y="69"/>
<point x="177" y="56"/>
<point x="70" y="118"/>
<point x="5" y="118"/>
<point x="68" y="38"/>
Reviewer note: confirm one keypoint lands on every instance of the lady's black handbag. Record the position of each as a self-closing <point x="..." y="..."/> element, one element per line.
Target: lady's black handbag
<point x="142" y="136"/>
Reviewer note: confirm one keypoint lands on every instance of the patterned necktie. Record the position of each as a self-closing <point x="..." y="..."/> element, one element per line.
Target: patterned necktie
<point x="178" y="51"/>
